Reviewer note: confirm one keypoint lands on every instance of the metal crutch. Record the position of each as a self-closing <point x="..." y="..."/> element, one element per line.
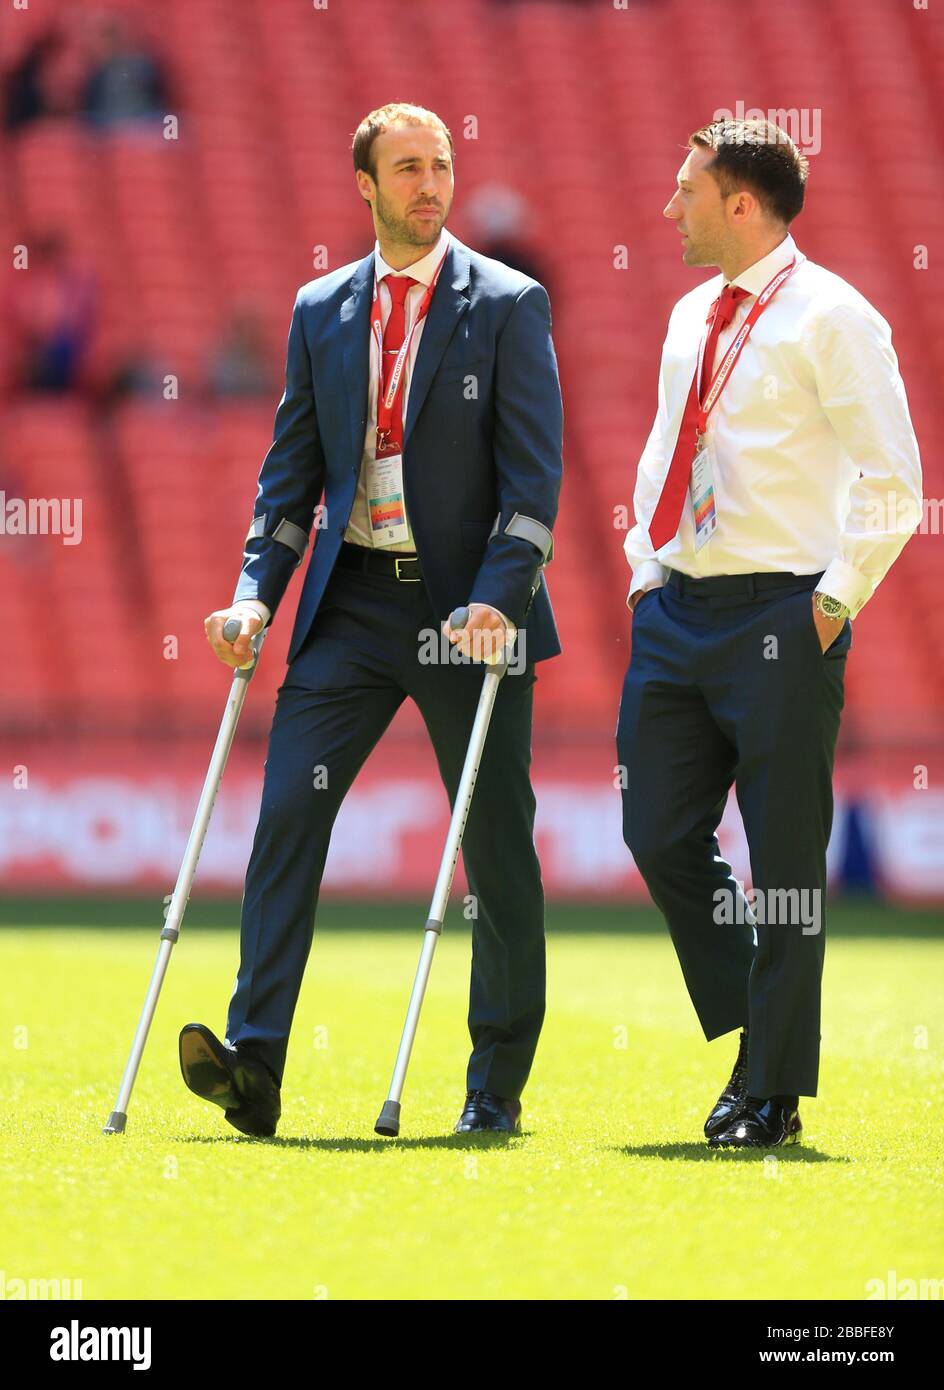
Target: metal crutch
<point x="178" y="903"/>
<point x="388" y="1122"/>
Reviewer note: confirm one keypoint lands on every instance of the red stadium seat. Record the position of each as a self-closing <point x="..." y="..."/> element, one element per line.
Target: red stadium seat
<point x="181" y="231"/>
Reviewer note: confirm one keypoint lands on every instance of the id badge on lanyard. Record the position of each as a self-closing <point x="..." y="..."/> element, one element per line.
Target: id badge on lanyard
<point x="702" y="488"/>
<point x="701" y="482"/>
<point x="385" y="500"/>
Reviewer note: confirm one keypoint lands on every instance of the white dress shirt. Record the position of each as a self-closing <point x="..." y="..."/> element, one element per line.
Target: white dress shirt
<point x="814" y="458"/>
<point x="358" y="528"/>
<point x="358" y="531"/>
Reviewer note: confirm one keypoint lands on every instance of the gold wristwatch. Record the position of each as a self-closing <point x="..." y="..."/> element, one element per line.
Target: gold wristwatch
<point x="831" y="607"/>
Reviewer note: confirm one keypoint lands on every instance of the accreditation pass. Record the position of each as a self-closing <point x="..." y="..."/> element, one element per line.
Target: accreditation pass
<point x="703" y="494"/>
<point x="385" y="500"/>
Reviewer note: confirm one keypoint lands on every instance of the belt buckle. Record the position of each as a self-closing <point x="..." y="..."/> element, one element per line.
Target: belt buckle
<point x="405" y="579"/>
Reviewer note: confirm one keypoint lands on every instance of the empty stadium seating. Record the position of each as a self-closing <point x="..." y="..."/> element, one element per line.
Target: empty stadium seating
<point x="584" y="109"/>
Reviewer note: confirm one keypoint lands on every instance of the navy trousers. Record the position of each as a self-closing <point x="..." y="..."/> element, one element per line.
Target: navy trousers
<point x="728" y="685"/>
<point x="358" y="664"/>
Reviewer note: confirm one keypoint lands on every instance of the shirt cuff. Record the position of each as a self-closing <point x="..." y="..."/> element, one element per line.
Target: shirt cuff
<point x="648" y="574"/>
<point x="846" y="584"/>
<point x="257" y="606"/>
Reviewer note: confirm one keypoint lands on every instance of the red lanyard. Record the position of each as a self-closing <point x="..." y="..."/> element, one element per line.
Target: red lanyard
<point x="386" y="399"/>
<point x="726" y="365"/>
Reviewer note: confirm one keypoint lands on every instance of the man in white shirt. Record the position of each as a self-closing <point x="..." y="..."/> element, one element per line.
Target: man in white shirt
<point x="422" y="404"/>
<point x="779" y="483"/>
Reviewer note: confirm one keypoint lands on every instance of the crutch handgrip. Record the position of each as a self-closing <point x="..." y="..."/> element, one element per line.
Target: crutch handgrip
<point x="457" y="621"/>
<point x="231" y="630"/>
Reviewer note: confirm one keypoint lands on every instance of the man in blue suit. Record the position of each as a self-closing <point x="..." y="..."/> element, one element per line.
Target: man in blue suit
<point x="422" y="420"/>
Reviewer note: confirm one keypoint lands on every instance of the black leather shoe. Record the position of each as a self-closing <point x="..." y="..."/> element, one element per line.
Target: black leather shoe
<point x="760" y="1124"/>
<point x="485" y="1111"/>
<point x="732" y="1097"/>
<point x="244" y="1087"/>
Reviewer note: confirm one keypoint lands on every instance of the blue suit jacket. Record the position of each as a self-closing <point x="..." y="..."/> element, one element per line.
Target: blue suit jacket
<point x="481" y="439"/>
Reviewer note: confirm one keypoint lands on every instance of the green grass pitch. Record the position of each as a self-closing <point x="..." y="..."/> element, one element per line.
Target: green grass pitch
<point x="609" y="1193"/>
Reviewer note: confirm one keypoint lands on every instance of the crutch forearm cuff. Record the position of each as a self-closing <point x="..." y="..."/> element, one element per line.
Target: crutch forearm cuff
<point x="286" y="533"/>
<point x="527" y="528"/>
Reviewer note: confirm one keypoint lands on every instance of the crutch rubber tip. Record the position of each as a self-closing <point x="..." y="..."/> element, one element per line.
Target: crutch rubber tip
<point x="388" y="1122"/>
<point x="116" y="1123"/>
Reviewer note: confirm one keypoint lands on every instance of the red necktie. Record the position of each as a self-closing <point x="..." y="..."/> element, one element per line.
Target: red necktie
<point x="668" y="512"/>
<point x="394" y="333"/>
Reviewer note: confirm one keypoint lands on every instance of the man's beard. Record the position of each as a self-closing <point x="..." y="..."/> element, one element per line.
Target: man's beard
<point x="694" y="254"/>
<point x="403" y="229"/>
<point x="706" y="252"/>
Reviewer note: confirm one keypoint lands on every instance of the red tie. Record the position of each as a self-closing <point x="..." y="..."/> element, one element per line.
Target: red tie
<point x="668" y="512"/>
<point x="394" y="333"/>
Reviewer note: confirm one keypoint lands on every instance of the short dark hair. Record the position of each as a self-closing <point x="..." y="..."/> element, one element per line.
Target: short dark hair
<point x="376" y="122"/>
<point x="759" y="156"/>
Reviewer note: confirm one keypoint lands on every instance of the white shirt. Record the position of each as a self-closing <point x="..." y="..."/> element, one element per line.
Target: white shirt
<point x="358" y="530"/>
<point x="814" y="458"/>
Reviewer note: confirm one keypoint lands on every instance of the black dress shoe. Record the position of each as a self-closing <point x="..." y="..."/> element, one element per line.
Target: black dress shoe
<point x="760" y="1124"/>
<point x="732" y="1097"/>
<point x="485" y="1111"/>
<point x="244" y="1087"/>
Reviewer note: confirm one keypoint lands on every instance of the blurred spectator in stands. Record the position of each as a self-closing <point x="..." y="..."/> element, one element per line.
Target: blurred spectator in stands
<point x="139" y="374"/>
<point x="498" y="218"/>
<point x="126" y="83"/>
<point x="52" y="312"/>
<point x="242" y="366"/>
<point x="27" y="94"/>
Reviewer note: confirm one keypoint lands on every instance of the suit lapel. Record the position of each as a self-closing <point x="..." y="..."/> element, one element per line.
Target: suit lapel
<point x="450" y="301"/>
<point x="355" y="338"/>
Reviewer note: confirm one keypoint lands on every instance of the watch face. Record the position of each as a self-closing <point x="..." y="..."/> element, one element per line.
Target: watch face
<point x="831" y="607"/>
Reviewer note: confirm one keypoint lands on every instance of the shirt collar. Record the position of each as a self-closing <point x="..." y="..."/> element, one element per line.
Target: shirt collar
<point x="422" y="270"/>
<point x="758" y="275"/>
